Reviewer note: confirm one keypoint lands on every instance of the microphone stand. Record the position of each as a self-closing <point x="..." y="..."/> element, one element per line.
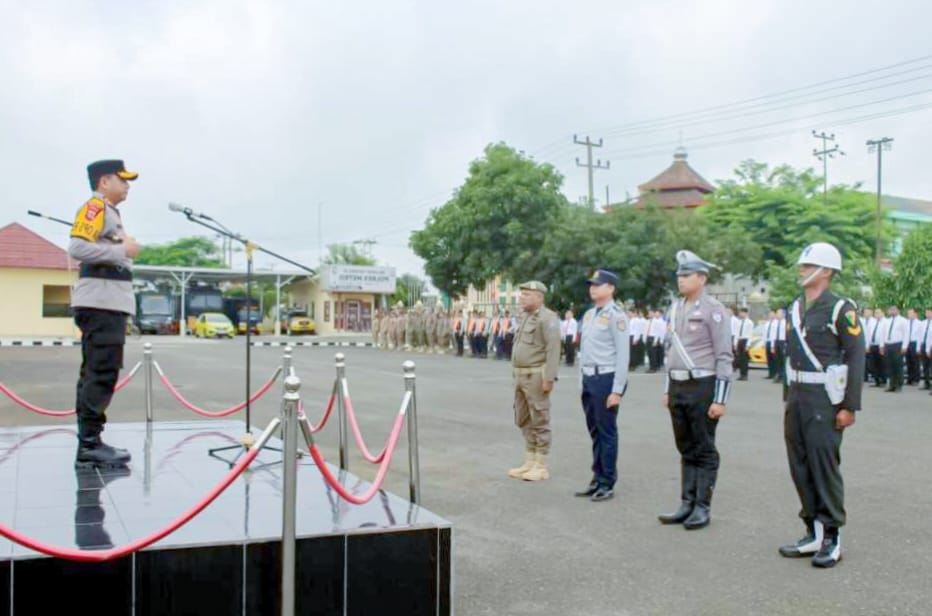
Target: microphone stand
<point x="249" y="248"/>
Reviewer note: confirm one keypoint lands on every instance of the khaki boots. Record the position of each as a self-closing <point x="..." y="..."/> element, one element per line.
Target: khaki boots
<point x="533" y="469"/>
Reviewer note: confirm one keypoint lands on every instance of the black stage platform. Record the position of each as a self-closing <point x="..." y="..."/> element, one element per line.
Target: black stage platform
<point x="386" y="557"/>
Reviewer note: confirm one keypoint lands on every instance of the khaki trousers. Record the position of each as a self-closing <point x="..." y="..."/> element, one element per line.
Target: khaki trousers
<point x="532" y="410"/>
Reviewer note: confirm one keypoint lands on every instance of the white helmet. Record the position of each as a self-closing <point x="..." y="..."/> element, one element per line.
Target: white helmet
<point x="821" y="254"/>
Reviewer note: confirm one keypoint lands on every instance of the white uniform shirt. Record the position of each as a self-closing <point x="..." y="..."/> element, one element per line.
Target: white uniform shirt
<point x="869" y="324"/>
<point x="569" y="327"/>
<point x="770" y="334"/>
<point x="896" y="331"/>
<point x="880" y="328"/>
<point x="657" y="329"/>
<point x="916" y="329"/>
<point x="928" y="336"/>
<point x="745" y="329"/>
<point x="735" y="326"/>
<point x="781" y="330"/>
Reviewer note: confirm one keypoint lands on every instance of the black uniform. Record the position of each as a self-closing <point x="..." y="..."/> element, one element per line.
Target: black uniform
<point x="813" y="444"/>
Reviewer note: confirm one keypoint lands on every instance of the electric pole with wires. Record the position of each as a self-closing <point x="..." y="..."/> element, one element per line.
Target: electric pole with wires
<point x="589" y="165"/>
<point x="879" y="145"/>
<point x="824" y="154"/>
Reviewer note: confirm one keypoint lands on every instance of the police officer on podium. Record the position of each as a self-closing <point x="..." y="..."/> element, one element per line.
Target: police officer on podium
<point x="825" y="352"/>
<point x="603" y="359"/>
<point x="102" y="299"/>
<point x="697" y="387"/>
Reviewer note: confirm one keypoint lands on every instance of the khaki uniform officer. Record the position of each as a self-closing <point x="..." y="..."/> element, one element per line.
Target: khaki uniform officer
<point x="534" y="361"/>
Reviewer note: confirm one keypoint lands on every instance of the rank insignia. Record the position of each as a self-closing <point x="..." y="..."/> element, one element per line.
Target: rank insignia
<point x="621" y="325"/>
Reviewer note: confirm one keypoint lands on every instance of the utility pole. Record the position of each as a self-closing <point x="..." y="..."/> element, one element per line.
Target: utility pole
<point x="607" y="202"/>
<point x="879" y="145"/>
<point x="824" y="154"/>
<point x="589" y="165"/>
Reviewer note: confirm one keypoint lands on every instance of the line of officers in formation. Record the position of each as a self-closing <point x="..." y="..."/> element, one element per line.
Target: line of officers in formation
<point x="824" y="348"/>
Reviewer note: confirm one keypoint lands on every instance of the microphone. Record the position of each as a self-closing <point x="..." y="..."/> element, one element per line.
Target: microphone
<point x="177" y="207"/>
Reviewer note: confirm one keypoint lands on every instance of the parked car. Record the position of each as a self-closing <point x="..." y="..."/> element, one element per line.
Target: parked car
<point x="300" y="323"/>
<point x="214" y="325"/>
<point x="757" y="349"/>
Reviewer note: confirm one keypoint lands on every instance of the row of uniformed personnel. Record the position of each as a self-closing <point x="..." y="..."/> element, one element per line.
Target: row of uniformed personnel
<point x="823" y="344"/>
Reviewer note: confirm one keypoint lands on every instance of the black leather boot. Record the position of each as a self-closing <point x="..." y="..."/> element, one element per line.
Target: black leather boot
<point x="700" y="516"/>
<point x="806" y="546"/>
<point x="592" y="488"/>
<point x="688" y="496"/>
<point x="94" y="453"/>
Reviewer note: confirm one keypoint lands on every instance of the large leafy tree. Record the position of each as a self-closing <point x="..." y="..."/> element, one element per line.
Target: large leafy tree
<point x="494" y="224"/>
<point x="782" y="210"/>
<point x="909" y="283"/>
<point x="185" y="252"/>
<point x="640" y="245"/>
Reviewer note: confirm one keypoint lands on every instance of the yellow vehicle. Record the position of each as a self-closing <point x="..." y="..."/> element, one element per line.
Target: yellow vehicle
<point x="757" y="349"/>
<point x="300" y="323"/>
<point x="214" y="325"/>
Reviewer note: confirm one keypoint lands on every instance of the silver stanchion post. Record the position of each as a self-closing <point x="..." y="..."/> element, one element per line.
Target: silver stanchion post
<point x="286" y="365"/>
<point x="147" y="361"/>
<point x="414" y="464"/>
<point x="340" y="390"/>
<point x="289" y="492"/>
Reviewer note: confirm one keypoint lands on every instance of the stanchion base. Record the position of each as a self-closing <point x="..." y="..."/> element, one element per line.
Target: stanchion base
<point x="385" y="557"/>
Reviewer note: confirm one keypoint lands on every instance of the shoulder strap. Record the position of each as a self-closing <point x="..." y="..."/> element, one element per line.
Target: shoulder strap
<point x="677" y="343"/>
<point x="801" y="335"/>
<point x="836" y="312"/>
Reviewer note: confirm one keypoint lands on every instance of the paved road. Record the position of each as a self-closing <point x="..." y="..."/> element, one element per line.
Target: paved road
<point x="532" y="548"/>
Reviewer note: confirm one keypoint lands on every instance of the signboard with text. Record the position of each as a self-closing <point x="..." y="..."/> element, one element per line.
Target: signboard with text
<point x="357" y="279"/>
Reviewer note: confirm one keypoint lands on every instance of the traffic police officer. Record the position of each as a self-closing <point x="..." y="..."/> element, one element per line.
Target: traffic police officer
<point x="603" y="358"/>
<point x="102" y="298"/>
<point x="697" y="386"/>
<point x="535" y="360"/>
<point x="825" y="366"/>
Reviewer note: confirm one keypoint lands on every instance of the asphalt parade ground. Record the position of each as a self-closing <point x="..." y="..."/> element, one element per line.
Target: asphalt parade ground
<point x="523" y="548"/>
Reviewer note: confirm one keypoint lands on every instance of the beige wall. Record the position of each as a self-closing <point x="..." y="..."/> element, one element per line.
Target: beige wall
<point x="21" y="291"/>
<point x="309" y="294"/>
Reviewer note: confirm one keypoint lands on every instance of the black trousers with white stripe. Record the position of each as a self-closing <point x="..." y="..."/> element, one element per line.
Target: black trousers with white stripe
<point x="813" y="448"/>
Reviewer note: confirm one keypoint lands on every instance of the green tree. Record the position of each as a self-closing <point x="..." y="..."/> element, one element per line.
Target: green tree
<point x="186" y="252"/>
<point x="782" y="210"/>
<point x="909" y="283"/>
<point x="494" y="224"/>
<point x="639" y="244"/>
<point x="408" y="289"/>
<point x="346" y="254"/>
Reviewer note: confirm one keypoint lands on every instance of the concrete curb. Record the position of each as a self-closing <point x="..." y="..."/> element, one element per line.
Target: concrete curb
<point x="297" y="343"/>
<point x="39" y="343"/>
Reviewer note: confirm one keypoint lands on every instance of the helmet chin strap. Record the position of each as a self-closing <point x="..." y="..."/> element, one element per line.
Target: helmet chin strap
<point x="811" y="277"/>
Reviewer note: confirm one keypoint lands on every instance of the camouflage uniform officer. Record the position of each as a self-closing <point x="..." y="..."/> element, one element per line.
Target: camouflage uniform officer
<point x="430" y="330"/>
<point x="376" y="327"/>
<point x="535" y="360"/>
<point x="401" y="326"/>
<point x="102" y="298"/>
<point x="697" y="386"/>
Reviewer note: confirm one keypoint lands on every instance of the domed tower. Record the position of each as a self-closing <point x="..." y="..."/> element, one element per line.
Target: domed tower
<point x="677" y="186"/>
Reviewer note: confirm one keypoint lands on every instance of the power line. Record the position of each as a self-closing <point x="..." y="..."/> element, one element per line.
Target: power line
<point x="776" y="122"/>
<point x="559" y="145"/>
<point x="783" y="133"/>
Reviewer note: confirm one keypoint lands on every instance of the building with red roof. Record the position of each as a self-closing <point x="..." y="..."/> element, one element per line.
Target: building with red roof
<point x="35" y="285"/>
<point x="677" y="186"/>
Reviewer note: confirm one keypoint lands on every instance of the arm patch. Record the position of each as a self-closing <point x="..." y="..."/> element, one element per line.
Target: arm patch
<point x="89" y="222"/>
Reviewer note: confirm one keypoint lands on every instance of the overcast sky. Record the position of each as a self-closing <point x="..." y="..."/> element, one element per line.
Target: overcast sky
<point x="263" y="114"/>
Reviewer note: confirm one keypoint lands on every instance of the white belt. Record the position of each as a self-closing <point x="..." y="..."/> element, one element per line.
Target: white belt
<point x="597" y="370"/>
<point x="686" y="375"/>
<point x="809" y="378"/>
